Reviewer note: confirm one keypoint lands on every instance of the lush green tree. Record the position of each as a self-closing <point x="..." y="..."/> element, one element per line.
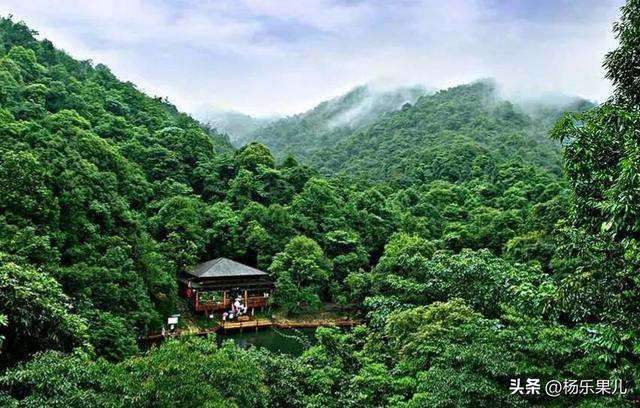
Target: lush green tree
<point x="244" y="189"/>
<point x="489" y="282"/>
<point x="373" y="220"/>
<point x="179" y="225"/>
<point x="57" y="380"/>
<point x="3" y="322"/>
<point x="301" y="273"/>
<point x="254" y="155"/>
<point x="189" y="373"/>
<point x="222" y="230"/>
<point x="318" y="208"/>
<point x="448" y="355"/>
<point x="621" y="68"/>
<point x="25" y="191"/>
<point x="347" y="253"/>
<point x="600" y="256"/>
<point x="111" y="336"/>
<point x="37" y="312"/>
<point x="284" y="375"/>
<point x="402" y="266"/>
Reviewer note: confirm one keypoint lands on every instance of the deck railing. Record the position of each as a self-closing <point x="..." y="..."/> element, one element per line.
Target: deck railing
<point x="212" y="305"/>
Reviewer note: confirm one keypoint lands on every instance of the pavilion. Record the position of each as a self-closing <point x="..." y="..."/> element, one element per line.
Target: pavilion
<point x="212" y="286"/>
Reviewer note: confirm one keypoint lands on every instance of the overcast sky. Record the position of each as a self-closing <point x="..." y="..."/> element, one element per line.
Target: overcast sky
<point x="267" y="57"/>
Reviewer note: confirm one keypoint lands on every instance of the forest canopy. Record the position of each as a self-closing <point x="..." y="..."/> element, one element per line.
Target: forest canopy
<point x="475" y="248"/>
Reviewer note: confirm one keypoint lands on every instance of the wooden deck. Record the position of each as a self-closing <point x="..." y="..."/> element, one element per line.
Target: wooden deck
<point x="257" y="324"/>
<point x="250" y="324"/>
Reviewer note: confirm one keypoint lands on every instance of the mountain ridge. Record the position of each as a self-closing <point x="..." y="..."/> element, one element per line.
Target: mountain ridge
<point x="328" y="122"/>
<point x="338" y="135"/>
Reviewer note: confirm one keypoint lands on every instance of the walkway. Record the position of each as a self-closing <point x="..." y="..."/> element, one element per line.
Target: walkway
<point x="259" y="324"/>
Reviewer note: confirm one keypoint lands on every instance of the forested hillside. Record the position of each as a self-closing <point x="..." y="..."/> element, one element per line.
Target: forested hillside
<point x="85" y="161"/>
<point x="453" y="231"/>
<point x="407" y="137"/>
<point x="330" y="122"/>
<point x="453" y="135"/>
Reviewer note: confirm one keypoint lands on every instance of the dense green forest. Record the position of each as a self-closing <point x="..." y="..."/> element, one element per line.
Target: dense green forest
<point x="473" y="249"/>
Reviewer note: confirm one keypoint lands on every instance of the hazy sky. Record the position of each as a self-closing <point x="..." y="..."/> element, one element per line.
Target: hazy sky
<point x="283" y="56"/>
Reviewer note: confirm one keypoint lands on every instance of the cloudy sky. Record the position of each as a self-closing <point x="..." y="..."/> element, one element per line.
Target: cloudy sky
<point x="267" y="57"/>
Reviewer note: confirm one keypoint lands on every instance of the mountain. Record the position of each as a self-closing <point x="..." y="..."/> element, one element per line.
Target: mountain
<point x="474" y="260"/>
<point x="238" y="126"/>
<point x="408" y="136"/>
<point x="330" y="122"/>
<point x="449" y="135"/>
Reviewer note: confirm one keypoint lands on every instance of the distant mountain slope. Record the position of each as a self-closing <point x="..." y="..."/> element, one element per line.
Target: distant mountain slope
<point x="238" y="126"/>
<point x="330" y="122"/>
<point x="452" y="135"/>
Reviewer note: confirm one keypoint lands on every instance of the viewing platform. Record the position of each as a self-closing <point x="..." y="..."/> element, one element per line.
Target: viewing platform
<point x="247" y="324"/>
<point x="256" y="324"/>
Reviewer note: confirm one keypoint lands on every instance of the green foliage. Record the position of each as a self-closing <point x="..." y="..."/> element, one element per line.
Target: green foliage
<point x="111" y="337"/>
<point x="36" y="313"/>
<point x="400" y="269"/>
<point x="454" y="135"/>
<point x="599" y="259"/>
<point x="621" y="63"/>
<point x="56" y="380"/>
<point x="449" y="343"/>
<point x="448" y="226"/>
<point x="301" y="273"/>
<point x="79" y="154"/>
<point x="253" y="155"/>
<point x="602" y="163"/>
<point x="330" y="122"/>
<point x="190" y="373"/>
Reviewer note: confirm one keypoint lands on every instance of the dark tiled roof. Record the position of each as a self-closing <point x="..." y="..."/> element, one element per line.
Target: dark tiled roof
<point x="223" y="267"/>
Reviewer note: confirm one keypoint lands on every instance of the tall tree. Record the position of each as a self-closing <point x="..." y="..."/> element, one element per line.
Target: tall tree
<point x="602" y="160"/>
<point x="301" y="272"/>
